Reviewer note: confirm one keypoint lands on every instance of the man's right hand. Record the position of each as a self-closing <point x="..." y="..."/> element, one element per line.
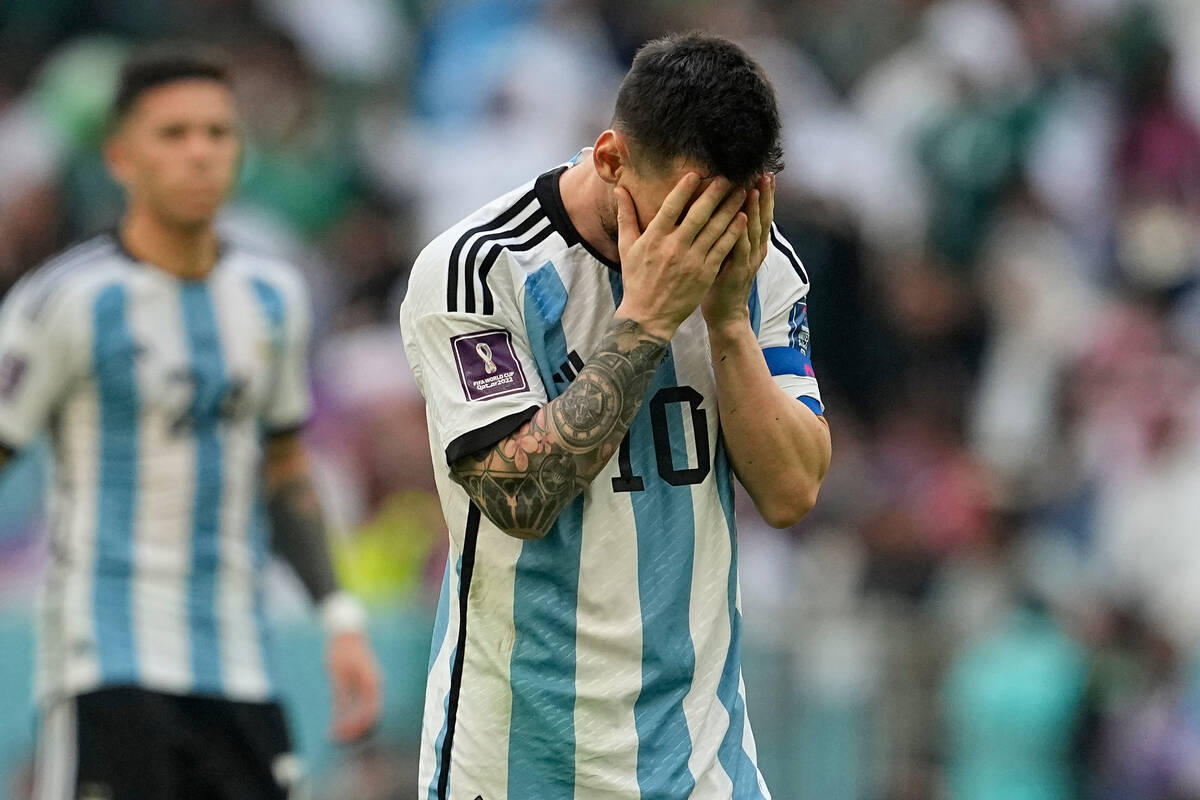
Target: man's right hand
<point x="668" y="268"/>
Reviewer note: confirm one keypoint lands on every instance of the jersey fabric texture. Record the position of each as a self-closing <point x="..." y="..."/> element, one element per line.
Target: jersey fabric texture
<point x="602" y="661"/>
<point x="157" y="394"/>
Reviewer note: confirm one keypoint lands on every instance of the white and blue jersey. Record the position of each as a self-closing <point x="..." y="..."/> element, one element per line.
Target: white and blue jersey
<point x="602" y="661"/>
<point x="157" y="394"/>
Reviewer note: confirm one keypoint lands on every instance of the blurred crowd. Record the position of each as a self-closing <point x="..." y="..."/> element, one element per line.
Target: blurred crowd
<point x="998" y="202"/>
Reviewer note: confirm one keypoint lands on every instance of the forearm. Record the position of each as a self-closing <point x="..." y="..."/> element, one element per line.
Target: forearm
<point x="525" y="481"/>
<point x="298" y="532"/>
<point x="779" y="449"/>
<point x="299" y="536"/>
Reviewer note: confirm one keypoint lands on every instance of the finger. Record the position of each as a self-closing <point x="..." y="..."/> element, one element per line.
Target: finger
<point x="742" y="250"/>
<point x="767" y="212"/>
<point x="753" y="209"/>
<point x="627" y="221"/>
<point x="719" y="222"/>
<point x="710" y="202"/>
<point x="673" y="206"/>
<point x="355" y="724"/>
<point x="352" y="727"/>
<point x="739" y="257"/>
<point x="343" y="709"/>
<point x="372" y="695"/>
<point x="725" y="244"/>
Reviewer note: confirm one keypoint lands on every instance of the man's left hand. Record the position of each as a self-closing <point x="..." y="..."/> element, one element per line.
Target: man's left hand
<point x="354" y="678"/>
<point x="727" y="301"/>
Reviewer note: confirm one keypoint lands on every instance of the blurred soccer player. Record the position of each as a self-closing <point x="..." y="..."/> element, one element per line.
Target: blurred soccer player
<point x="600" y="350"/>
<point x="170" y="369"/>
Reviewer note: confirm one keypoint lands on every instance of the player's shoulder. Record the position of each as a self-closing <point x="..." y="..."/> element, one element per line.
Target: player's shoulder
<point x="495" y="216"/>
<point x="265" y="269"/>
<point x="71" y="276"/>
<point x="453" y="271"/>
<point x="782" y="266"/>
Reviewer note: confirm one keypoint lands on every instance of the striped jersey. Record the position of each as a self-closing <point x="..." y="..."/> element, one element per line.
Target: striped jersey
<point x="602" y="661"/>
<point x="157" y="393"/>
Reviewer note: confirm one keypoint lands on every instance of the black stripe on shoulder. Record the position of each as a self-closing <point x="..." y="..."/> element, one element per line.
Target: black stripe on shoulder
<point x="489" y="305"/>
<point x="7" y="451"/>
<point x="470" y="541"/>
<point x="47" y="278"/>
<point x="473" y="254"/>
<point x="785" y="247"/>
<point x="502" y="219"/>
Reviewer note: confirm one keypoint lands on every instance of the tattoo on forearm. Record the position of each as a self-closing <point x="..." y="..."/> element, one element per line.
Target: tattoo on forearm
<point x="525" y="481"/>
<point x="298" y="535"/>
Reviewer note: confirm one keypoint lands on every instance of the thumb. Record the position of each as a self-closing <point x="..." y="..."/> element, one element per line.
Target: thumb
<point x="627" y="221"/>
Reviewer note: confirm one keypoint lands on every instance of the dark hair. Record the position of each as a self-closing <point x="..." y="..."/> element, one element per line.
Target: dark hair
<point x="702" y="98"/>
<point x="161" y="64"/>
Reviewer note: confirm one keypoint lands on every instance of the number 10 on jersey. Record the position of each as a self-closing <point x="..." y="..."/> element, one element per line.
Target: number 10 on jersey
<point x="627" y="481"/>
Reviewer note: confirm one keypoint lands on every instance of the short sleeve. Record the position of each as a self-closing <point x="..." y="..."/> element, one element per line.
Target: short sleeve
<point x="783" y="332"/>
<point x="38" y="362"/>
<point x="476" y="371"/>
<point x="289" y="311"/>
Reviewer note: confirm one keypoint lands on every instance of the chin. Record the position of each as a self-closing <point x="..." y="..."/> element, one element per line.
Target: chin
<point x="194" y="224"/>
<point x="193" y="220"/>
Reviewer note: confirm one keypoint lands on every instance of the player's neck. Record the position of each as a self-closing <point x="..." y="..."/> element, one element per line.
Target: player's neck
<point x="186" y="253"/>
<point x="583" y="195"/>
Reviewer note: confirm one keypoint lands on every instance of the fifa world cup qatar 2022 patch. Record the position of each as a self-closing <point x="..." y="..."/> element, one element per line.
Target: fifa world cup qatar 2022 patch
<point x="487" y="365"/>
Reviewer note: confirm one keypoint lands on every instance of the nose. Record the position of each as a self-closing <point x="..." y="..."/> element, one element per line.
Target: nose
<point x="200" y="148"/>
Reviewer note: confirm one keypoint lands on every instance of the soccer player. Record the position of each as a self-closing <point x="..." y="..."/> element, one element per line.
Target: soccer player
<point x="170" y="370"/>
<point x="600" y="351"/>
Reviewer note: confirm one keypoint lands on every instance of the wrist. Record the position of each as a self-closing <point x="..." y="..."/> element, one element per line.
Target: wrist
<point x="664" y="329"/>
<point x="729" y="330"/>
<point x="342" y="613"/>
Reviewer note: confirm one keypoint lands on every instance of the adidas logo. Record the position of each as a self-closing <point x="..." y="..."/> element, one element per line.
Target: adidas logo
<point x="567" y="372"/>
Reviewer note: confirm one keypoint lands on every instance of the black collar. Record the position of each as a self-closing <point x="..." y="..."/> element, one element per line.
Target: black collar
<point x="549" y="195"/>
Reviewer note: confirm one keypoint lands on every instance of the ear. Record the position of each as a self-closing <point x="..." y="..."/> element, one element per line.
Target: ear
<point x="116" y="158"/>
<point x="610" y="156"/>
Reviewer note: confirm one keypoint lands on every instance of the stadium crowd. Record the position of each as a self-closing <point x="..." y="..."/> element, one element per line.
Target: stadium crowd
<point x="998" y="594"/>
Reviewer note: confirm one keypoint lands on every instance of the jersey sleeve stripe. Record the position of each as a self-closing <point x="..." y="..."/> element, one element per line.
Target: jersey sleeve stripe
<point x="784" y="247"/>
<point x="476" y="440"/>
<point x="454" y="267"/>
<point x="489" y="306"/>
<point x="473" y="254"/>
<point x="787" y="361"/>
